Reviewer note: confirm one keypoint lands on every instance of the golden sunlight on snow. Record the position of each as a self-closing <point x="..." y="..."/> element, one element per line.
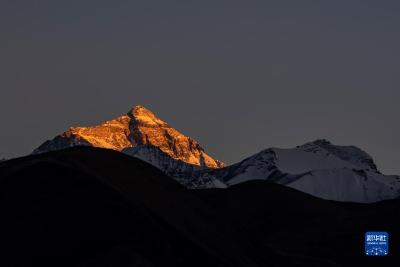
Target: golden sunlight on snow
<point x="138" y="127"/>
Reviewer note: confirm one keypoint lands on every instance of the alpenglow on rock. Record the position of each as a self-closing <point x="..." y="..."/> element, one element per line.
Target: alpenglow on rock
<point x="136" y="128"/>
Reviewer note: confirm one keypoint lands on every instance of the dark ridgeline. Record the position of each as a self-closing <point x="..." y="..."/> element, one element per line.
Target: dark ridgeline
<point x="94" y="207"/>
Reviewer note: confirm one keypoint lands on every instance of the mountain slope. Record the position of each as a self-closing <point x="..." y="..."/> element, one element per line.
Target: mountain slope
<point x="319" y="168"/>
<point x="181" y="171"/>
<point x="97" y="207"/>
<point x="138" y="127"/>
<point x="293" y="223"/>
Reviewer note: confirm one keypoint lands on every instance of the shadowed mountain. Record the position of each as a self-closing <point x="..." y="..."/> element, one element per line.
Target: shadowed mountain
<point x="294" y="223"/>
<point x="93" y="207"/>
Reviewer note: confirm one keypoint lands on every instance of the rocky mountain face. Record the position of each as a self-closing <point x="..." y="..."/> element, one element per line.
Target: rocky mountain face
<point x="136" y="128"/>
<point x="182" y="172"/>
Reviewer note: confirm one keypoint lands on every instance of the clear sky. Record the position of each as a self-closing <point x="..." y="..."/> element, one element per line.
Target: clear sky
<point x="238" y="76"/>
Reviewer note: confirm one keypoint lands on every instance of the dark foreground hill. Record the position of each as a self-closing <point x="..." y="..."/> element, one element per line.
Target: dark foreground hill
<point x="94" y="207"/>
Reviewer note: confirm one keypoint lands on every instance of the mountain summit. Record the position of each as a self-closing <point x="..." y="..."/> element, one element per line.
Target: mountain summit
<point x="319" y="168"/>
<point x="138" y="127"/>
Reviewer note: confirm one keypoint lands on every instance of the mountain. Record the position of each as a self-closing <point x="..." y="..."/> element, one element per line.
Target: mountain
<point x="87" y="206"/>
<point x="138" y="127"/>
<point x="181" y="171"/>
<point x="319" y="168"/>
<point x="322" y="232"/>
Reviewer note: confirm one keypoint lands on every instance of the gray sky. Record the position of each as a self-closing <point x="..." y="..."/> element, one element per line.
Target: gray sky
<point x="238" y="76"/>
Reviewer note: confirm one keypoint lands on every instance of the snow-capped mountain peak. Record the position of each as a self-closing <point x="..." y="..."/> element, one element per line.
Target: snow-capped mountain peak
<point x="320" y="168"/>
<point x="138" y="127"/>
<point x="144" y="116"/>
<point x="351" y="154"/>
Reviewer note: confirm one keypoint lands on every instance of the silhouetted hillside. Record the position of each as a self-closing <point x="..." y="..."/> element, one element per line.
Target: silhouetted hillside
<point x="94" y="207"/>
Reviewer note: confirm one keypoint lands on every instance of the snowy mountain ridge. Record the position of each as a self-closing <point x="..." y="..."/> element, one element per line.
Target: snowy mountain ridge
<point x="344" y="173"/>
<point x="319" y="168"/>
<point x="181" y="171"/>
